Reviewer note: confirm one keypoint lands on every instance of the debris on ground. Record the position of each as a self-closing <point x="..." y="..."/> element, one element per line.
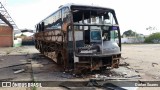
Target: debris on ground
<point x="8" y="52"/>
<point x="124" y="64"/>
<point x="134" y="76"/>
<point x="130" y="68"/>
<point x="111" y="76"/>
<point x="136" y="71"/>
<point x="16" y="65"/>
<point x="122" y="58"/>
<point x="104" y="77"/>
<point x="156" y="77"/>
<point x="111" y="86"/>
<point x="93" y="83"/>
<point x="126" y="71"/>
<point x="103" y="84"/>
<point x="90" y="85"/>
<point x="19" y="71"/>
<point x="154" y="64"/>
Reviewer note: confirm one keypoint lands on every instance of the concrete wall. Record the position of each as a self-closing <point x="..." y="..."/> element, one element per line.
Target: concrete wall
<point x="6" y="36"/>
<point x="132" y="40"/>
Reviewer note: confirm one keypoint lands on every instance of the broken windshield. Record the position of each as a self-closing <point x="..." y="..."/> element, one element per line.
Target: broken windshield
<point x="93" y="16"/>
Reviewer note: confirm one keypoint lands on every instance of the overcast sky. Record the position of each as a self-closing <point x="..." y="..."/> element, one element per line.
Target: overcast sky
<point x="132" y="14"/>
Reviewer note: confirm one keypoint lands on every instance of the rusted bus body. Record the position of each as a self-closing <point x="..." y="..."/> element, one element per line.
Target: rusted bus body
<point x="49" y="43"/>
<point x="80" y="37"/>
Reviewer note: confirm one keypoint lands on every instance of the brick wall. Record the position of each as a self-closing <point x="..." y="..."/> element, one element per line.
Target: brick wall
<point x="6" y="36"/>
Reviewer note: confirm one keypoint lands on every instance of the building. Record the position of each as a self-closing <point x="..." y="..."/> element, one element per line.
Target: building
<point x="7" y="27"/>
<point x="6" y="36"/>
<point x="139" y="39"/>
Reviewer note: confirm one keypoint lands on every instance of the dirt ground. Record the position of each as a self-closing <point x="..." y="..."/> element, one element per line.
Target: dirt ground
<point x="144" y="58"/>
<point x="139" y="62"/>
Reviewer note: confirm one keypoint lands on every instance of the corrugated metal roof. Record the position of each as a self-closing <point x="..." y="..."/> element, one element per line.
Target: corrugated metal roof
<point x="5" y="18"/>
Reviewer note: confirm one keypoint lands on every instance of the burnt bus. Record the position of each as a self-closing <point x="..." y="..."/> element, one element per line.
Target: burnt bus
<point x="80" y="37"/>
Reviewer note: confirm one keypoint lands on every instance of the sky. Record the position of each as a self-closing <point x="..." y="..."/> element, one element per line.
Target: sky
<point x="136" y="15"/>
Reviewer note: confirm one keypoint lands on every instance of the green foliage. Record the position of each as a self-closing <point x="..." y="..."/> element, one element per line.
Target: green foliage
<point x="34" y="88"/>
<point x="130" y="33"/>
<point x="23" y="35"/>
<point x="153" y="38"/>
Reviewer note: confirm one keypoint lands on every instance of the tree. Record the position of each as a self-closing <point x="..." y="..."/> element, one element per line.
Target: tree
<point x="153" y="38"/>
<point x="130" y="33"/>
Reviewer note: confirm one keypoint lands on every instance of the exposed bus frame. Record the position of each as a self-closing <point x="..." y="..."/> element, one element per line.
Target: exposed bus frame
<point x="47" y="41"/>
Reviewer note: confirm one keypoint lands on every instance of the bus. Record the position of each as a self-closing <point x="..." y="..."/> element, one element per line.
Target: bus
<point x="80" y="37"/>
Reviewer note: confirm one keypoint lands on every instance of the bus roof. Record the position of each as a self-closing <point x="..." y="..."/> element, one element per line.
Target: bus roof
<point x="83" y="5"/>
<point x="70" y="5"/>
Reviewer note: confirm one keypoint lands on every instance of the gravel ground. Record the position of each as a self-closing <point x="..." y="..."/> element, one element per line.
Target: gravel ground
<point x="143" y="60"/>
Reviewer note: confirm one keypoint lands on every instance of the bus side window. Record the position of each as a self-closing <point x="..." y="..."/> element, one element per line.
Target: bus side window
<point x="39" y="26"/>
<point x="65" y="12"/>
<point x="65" y="18"/>
<point x="42" y="26"/>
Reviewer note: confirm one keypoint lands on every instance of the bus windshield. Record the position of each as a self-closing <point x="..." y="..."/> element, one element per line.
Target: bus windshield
<point x="94" y="27"/>
<point x="93" y="15"/>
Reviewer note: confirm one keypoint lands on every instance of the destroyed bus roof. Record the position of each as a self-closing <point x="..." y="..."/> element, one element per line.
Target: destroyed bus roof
<point x="82" y="5"/>
<point x="79" y="6"/>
